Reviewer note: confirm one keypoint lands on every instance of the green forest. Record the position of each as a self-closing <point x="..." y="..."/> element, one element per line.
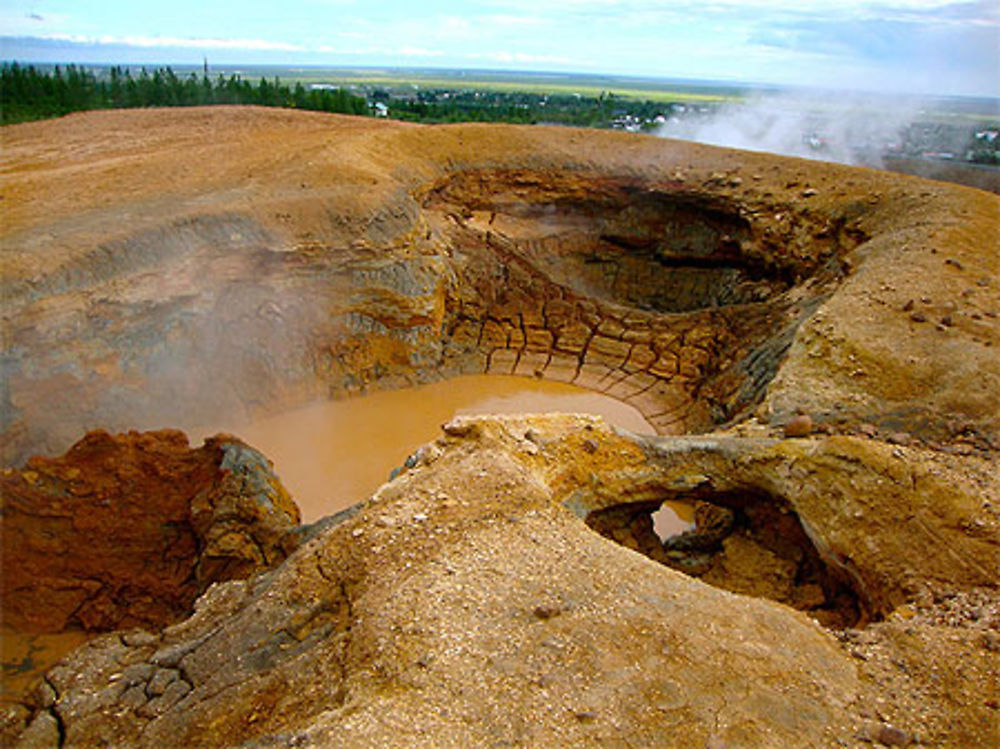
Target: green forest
<point x="27" y="93"/>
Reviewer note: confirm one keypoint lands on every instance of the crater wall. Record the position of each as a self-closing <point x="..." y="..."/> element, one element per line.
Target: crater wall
<point x="324" y="257"/>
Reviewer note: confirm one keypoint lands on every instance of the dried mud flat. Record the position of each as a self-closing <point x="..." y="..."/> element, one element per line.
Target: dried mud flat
<point x="817" y="346"/>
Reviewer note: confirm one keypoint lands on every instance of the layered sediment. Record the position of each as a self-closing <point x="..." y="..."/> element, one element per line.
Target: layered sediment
<point x="815" y="344"/>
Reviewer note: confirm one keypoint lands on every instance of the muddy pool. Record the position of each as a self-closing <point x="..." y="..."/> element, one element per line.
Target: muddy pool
<point x="333" y="454"/>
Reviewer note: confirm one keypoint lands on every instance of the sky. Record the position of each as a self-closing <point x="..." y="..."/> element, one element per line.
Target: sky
<point x="903" y="46"/>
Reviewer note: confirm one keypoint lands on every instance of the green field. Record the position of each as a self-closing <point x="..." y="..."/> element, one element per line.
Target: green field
<point x="645" y="89"/>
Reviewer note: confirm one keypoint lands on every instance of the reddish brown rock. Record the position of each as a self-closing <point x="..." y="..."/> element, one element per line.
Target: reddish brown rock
<point x="798" y="426"/>
<point x="128" y="530"/>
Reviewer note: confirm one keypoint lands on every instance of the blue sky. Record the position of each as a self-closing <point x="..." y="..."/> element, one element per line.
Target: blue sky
<point x="914" y="46"/>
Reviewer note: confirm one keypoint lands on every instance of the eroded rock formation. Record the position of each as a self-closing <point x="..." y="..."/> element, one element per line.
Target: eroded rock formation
<point x="469" y="603"/>
<point x="821" y="340"/>
<point x="127" y="531"/>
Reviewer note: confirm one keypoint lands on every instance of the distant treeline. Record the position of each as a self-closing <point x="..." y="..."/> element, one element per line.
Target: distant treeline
<point x="443" y="105"/>
<point x="27" y="93"/>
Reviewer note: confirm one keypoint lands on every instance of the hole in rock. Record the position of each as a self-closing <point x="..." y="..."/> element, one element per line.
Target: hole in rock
<point x="333" y="454"/>
<point x="743" y="542"/>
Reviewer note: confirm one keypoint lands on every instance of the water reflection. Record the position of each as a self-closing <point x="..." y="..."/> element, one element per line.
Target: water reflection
<point x="673" y="519"/>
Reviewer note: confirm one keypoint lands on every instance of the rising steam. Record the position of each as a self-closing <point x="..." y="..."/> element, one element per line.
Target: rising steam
<point x="846" y="129"/>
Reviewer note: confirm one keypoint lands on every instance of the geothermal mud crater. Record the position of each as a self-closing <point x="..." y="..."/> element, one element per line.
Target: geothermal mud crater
<point x="676" y="302"/>
<point x="718" y="293"/>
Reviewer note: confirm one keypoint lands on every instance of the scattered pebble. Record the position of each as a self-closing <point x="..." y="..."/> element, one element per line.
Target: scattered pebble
<point x="868" y="430"/>
<point x="918" y="316"/>
<point x="991" y="641"/>
<point x="547" y="610"/>
<point x="798" y="426"/>
<point x="892" y="736"/>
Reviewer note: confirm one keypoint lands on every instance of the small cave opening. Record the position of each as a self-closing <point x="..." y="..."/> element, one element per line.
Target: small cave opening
<point x="745" y="542"/>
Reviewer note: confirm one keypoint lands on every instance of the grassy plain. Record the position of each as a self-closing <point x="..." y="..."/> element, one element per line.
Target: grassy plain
<point x="646" y="89"/>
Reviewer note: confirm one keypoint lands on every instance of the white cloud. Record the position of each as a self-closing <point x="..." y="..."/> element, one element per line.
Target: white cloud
<point x="177" y="42"/>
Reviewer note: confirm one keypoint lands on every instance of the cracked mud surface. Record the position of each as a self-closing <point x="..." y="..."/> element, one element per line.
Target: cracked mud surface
<point x="819" y="341"/>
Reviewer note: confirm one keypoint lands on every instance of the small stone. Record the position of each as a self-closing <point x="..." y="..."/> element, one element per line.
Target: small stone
<point x="947" y="321"/>
<point x="460" y="427"/>
<point x="43" y="696"/>
<point x="547" y="610"/>
<point x="906" y="611"/>
<point x="160" y="681"/>
<point x="590" y="446"/>
<point x="173" y="694"/>
<point x="868" y="430"/>
<point x="892" y="736"/>
<point x="42" y="731"/>
<point x="133" y="698"/>
<point x="809" y="192"/>
<point x="918" y="316"/>
<point x="139" y="638"/>
<point x="899" y="438"/>
<point x="585" y="715"/>
<point x="138" y="673"/>
<point x="908" y="306"/>
<point x="798" y="426"/>
<point x="954" y="263"/>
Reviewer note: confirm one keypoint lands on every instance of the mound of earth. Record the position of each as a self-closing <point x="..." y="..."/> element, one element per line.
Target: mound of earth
<point x="816" y="345"/>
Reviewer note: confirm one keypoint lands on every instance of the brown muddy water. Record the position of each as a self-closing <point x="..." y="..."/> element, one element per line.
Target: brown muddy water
<point x="25" y="657"/>
<point x="333" y="454"/>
